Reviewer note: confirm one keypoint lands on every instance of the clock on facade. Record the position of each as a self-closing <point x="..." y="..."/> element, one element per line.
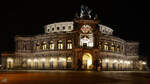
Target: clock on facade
<point x="86" y="29"/>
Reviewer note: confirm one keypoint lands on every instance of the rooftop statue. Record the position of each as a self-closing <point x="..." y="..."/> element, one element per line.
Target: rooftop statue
<point x="85" y="12"/>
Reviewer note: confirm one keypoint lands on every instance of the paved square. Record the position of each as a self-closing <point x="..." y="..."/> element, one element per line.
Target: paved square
<point x="76" y="77"/>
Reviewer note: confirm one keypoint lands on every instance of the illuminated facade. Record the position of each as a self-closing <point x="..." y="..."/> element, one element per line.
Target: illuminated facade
<point x="81" y="43"/>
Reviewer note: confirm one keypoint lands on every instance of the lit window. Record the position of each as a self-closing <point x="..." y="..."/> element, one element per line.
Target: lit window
<point x="118" y="48"/>
<point x="69" y="59"/>
<point x="44" y="45"/>
<point x="38" y="46"/>
<point x="60" y="44"/>
<point x="100" y="45"/>
<point x="106" y="46"/>
<point x="51" y="45"/>
<point x="113" y="47"/>
<point x="69" y="44"/>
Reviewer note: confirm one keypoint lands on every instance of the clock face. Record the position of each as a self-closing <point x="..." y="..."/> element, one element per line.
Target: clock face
<point x="86" y="28"/>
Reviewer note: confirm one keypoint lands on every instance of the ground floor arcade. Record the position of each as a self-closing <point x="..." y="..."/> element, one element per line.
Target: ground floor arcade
<point x="87" y="62"/>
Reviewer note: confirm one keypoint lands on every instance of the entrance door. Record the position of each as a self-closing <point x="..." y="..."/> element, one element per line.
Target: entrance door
<point x="87" y="61"/>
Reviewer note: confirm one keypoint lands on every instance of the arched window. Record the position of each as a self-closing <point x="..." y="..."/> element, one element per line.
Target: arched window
<point x="118" y="48"/>
<point x="51" y="45"/>
<point x="69" y="59"/>
<point x="112" y="47"/>
<point x="100" y="45"/>
<point x="60" y="44"/>
<point x="106" y="46"/>
<point x="44" y="45"/>
<point x="38" y="46"/>
<point x="69" y="44"/>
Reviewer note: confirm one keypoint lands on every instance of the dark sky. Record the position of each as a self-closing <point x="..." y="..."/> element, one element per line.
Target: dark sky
<point x="128" y="18"/>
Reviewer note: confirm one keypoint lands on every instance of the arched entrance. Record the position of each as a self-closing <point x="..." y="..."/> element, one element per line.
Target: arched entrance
<point x="87" y="61"/>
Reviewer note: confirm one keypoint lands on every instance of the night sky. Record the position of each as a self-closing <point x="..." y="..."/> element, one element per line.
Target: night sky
<point x="128" y="18"/>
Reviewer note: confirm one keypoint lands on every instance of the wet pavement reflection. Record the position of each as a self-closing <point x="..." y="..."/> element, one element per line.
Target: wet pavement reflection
<point x="75" y="77"/>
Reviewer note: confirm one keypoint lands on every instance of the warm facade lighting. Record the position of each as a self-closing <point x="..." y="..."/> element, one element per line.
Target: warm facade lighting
<point x="69" y="59"/>
<point x="125" y="62"/>
<point x="35" y="60"/>
<point x="44" y="45"/>
<point x="51" y="45"/>
<point x="115" y="61"/>
<point x="143" y="63"/>
<point x="69" y="44"/>
<point x="121" y="61"/>
<point x="89" y="62"/>
<point x="29" y="60"/>
<point x="43" y="59"/>
<point x="62" y="59"/>
<point x="82" y="43"/>
<point x="52" y="59"/>
<point x="60" y="44"/>
<point x="106" y="60"/>
<point x="128" y="62"/>
<point x="106" y="46"/>
<point x="10" y="60"/>
<point x="113" y="47"/>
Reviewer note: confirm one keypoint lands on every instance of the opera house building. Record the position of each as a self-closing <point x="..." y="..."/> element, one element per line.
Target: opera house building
<point x="83" y="43"/>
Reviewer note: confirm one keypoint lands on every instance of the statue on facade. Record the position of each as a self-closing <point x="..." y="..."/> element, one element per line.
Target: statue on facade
<point x="85" y="12"/>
